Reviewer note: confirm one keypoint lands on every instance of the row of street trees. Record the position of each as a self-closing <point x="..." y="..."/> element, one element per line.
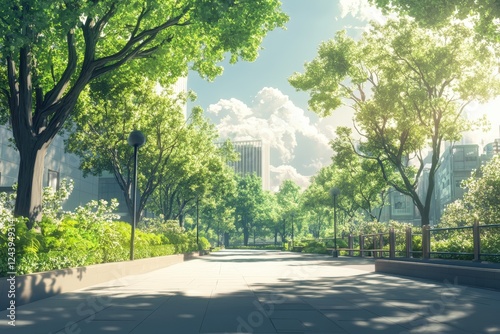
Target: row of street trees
<point x="409" y="82"/>
<point x="409" y="87"/>
<point x="99" y="70"/>
<point x="179" y="163"/>
<point x="52" y="50"/>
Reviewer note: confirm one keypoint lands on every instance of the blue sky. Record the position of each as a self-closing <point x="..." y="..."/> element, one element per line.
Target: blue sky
<point x="255" y="101"/>
<point x="284" y="51"/>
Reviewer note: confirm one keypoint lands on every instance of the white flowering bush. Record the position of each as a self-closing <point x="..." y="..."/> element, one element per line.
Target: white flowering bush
<point x="7" y="201"/>
<point x="88" y="235"/>
<point x="96" y="211"/>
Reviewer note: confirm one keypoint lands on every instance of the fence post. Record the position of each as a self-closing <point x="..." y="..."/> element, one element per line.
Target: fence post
<point x="392" y="243"/>
<point x="350" y="244"/>
<point x="374" y="243"/>
<point x="381" y="245"/>
<point x="408" y="243"/>
<point x="477" y="241"/>
<point x="426" y="242"/>
<point x="361" y="245"/>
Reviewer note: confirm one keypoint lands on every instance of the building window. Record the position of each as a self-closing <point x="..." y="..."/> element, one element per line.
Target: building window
<point x="53" y="180"/>
<point x="402" y="205"/>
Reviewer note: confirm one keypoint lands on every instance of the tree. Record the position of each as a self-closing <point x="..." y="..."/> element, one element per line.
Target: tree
<point x="53" y="49"/>
<point x="101" y="124"/>
<point x="248" y="204"/>
<point x="484" y="13"/>
<point x="218" y="214"/>
<point x="318" y="202"/>
<point x="288" y="199"/>
<point x="481" y="202"/>
<point x="270" y="216"/>
<point x="197" y="171"/>
<point x="360" y="180"/>
<point x="409" y="87"/>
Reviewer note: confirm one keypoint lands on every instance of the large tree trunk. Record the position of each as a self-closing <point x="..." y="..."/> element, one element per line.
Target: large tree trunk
<point x="30" y="179"/>
<point x="425" y="216"/>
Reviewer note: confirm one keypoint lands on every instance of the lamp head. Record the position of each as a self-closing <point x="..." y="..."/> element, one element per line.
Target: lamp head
<point x="334" y="191"/>
<point x="136" y="138"/>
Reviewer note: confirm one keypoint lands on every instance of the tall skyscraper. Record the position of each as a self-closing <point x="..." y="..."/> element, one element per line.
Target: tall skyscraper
<point x="254" y="159"/>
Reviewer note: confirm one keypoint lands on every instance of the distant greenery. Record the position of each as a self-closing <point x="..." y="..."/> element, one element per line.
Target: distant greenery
<point x="269" y="247"/>
<point x="480" y="203"/>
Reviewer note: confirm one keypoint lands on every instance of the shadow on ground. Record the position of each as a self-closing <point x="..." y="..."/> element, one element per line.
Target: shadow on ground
<point x="323" y="298"/>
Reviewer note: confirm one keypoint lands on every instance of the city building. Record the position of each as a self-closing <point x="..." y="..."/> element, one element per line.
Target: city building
<point x="254" y="159"/>
<point x="58" y="165"/>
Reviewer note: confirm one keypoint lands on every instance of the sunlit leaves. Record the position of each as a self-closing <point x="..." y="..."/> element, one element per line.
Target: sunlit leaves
<point x="408" y="86"/>
<point x="484" y="14"/>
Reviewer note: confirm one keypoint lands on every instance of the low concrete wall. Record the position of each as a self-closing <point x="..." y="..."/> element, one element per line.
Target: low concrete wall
<point x="473" y="275"/>
<point x="36" y="286"/>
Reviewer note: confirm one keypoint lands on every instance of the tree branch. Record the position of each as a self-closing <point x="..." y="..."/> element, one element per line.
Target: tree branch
<point x="55" y="93"/>
<point x="134" y="45"/>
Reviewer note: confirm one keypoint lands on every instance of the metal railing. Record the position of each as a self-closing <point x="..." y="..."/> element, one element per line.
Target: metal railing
<point x="419" y="244"/>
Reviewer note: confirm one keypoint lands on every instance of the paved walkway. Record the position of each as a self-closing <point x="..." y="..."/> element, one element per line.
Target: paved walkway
<point x="264" y="292"/>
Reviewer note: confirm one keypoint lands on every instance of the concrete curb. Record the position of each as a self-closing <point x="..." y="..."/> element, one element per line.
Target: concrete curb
<point x="36" y="286"/>
<point x="474" y="275"/>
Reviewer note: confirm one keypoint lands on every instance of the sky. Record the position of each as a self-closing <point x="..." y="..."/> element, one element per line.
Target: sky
<point x="253" y="100"/>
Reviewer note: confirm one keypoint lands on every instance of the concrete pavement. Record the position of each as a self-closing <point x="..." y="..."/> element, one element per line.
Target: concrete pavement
<point x="244" y="291"/>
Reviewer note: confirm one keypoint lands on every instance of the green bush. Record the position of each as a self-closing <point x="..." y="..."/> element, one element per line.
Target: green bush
<point x="203" y="244"/>
<point x="84" y="237"/>
<point x="153" y="250"/>
<point x="317" y="247"/>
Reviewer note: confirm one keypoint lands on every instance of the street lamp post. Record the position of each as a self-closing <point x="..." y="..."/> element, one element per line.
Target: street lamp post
<point x="334" y="192"/>
<point x="135" y="139"/>
<point x="292" y="231"/>
<point x="197" y="220"/>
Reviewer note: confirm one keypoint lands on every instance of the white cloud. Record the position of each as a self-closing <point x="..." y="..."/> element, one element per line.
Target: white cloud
<point x="232" y="106"/>
<point x="361" y="10"/>
<point x="272" y="118"/>
<point x="287" y="172"/>
<point x="291" y="135"/>
<point x="316" y="164"/>
<point x="475" y="111"/>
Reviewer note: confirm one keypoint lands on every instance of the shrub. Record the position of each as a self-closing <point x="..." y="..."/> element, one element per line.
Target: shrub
<point x="203" y="244"/>
<point x="317" y="247"/>
<point x="89" y="235"/>
<point x="27" y="244"/>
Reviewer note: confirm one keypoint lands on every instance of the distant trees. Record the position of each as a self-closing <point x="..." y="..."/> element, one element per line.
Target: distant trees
<point x="408" y="87"/>
<point x="248" y="204"/>
<point x="288" y="200"/>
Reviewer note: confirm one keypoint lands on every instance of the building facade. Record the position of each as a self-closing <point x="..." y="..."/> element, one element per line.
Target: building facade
<point x="58" y="165"/>
<point x="456" y="164"/>
<point x="254" y="159"/>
